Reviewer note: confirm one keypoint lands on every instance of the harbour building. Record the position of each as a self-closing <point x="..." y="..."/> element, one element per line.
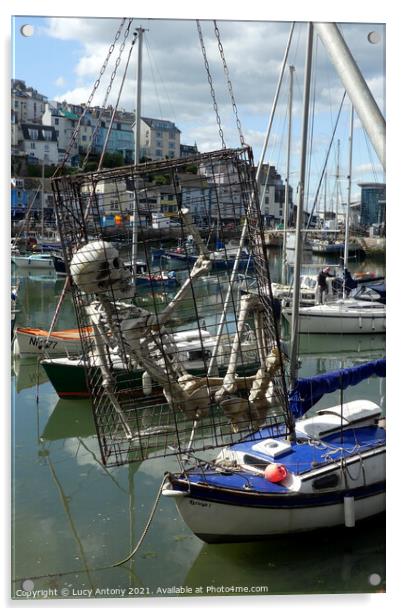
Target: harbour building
<point x="373" y="201"/>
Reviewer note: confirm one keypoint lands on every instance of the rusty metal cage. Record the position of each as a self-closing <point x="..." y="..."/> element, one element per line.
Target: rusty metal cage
<point x="136" y="210"/>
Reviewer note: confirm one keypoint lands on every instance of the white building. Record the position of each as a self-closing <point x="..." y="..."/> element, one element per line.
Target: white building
<point x="39" y="142"/>
<point x="159" y="139"/>
<point x="26" y="103"/>
<point x="64" y="122"/>
<point x="272" y="200"/>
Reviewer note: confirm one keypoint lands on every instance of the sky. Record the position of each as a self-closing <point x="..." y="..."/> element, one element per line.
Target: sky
<point x="63" y="56"/>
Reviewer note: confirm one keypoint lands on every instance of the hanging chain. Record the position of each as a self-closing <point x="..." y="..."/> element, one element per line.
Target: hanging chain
<point x="89" y="101"/>
<point x="103" y="106"/>
<point x="206" y="64"/>
<point x="230" y="89"/>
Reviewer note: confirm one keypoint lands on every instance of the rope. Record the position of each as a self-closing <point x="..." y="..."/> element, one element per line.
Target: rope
<point x="210" y="80"/>
<point x="230" y="89"/>
<point x="103" y="106"/>
<point x="146" y="528"/>
<point x="122" y="46"/>
<point x="118" y="98"/>
<point x="89" y="101"/>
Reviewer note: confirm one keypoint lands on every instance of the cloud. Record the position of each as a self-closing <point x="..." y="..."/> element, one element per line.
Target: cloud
<point x="60" y="82"/>
<point x="175" y="83"/>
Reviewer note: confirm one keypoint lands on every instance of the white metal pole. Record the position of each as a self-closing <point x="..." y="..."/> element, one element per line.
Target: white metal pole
<point x="43" y="200"/>
<point x="140" y="32"/>
<point x="273" y="109"/>
<point x="357" y="89"/>
<point x="337" y="184"/>
<point x="286" y="202"/>
<point x="347" y="223"/>
<point x="300" y="210"/>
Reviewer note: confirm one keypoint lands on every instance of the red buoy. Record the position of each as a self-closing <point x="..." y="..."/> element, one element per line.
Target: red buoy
<point x="275" y="473"/>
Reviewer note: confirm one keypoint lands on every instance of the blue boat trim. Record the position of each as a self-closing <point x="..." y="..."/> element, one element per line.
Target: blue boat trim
<point x="285" y="500"/>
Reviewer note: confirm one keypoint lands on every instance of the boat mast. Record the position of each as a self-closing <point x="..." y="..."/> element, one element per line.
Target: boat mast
<point x="337" y="185"/>
<point x="43" y="200"/>
<point x="347" y="221"/>
<point x="300" y="209"/>
<point x="274" y="105"/>
<point x="140" y="31"/>
<point x="287" y="184"/>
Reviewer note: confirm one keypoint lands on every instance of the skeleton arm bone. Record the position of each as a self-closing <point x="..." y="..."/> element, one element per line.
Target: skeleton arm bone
<point x="201" y="267"/>
<point x="192" y="230"/>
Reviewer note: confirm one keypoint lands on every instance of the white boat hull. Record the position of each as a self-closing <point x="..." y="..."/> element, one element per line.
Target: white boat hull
<point x="32" y="343"/>
<point x="335" y="319"/>
<point x="33" y="262"/>
<point x="214" y="522"/>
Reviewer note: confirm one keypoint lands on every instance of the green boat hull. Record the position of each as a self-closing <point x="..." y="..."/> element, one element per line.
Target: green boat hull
<point x="70" y="382"/>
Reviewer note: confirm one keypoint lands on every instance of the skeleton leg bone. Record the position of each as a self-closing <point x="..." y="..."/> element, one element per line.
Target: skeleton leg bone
<point x="247" y="303"/>
<point x="108" y="381"/>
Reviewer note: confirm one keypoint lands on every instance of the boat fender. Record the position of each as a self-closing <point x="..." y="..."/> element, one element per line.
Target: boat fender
<point x="349" y="511"/>
<point x="147" y="384"/>
<point x="275" y="472"/>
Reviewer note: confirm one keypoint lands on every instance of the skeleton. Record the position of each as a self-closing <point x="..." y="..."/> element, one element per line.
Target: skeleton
<point x="141" y="337"/>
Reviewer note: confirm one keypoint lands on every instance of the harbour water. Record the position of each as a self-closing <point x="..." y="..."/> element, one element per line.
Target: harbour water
<point x="73" y="518"/>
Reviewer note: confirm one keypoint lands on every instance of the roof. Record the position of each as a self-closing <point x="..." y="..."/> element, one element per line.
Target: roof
<point x="41" y="128"/>
<point x="160" y="124"/>
<point x="68" y="114"/>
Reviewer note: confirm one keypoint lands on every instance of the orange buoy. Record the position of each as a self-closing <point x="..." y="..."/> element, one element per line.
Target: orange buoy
<point x="275" y="473"/>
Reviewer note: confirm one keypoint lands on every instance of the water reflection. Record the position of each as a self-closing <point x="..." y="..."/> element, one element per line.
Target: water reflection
<point x="329" y="561"/>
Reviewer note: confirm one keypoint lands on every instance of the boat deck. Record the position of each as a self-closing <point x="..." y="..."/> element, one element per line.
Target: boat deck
<point x="301" y="458"/>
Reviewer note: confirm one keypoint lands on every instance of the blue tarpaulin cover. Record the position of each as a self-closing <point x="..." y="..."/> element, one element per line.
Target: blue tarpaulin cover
<point x="308" y="391"/>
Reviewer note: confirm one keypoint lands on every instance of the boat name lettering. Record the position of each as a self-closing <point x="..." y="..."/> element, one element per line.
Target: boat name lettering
<point x="41" y="343"/>
<point x="200" y="503"/>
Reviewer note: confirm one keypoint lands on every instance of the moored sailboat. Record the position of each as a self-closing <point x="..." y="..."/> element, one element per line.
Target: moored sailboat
<point x="293" y="474"/>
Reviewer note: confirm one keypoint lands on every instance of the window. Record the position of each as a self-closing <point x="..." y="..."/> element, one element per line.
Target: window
<point x="33" y="133"/>
<point x="32" y="146"/>
<point x="172" y="134"/>
<point x="46" y="147"/>
<point x="171" y="145"/>
<point x="57" y="121"/>
<point x="84" y="137"/>
<point x="158" y="152"/>
<point x="158" y="133"/>
<point x="158" y="144"/>
<point x="47" y="135"/>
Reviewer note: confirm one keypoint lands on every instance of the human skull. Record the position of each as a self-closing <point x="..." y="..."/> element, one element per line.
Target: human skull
<point x="97" y="268"/>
